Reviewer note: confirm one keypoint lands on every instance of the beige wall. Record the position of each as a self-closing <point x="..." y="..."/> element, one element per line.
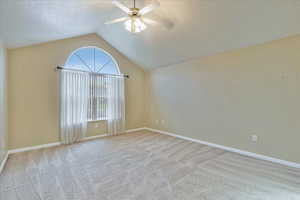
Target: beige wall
<point x="3" y="103"/>
<point x="222" y="99"/>
<point x="33" y="94"/>
<point x="226" y="98"/>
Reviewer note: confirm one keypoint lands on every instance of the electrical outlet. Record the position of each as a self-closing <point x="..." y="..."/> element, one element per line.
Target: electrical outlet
<point x="254" y="138"/>
<point x="162" y="121"/>
<point x="96" y="125"/>
<point x="156" y="121"/>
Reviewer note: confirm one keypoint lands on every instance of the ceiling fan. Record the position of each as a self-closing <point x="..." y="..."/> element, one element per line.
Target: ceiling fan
<point x="135" y="22"/>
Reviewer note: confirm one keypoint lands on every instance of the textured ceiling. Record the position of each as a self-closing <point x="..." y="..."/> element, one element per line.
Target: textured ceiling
<point x="201" y="27"/>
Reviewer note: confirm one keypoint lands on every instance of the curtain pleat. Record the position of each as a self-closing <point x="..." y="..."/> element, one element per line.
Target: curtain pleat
<point x="74" y="95"/>
<point x="115" y="105"/>
<point x="98" y="98"/>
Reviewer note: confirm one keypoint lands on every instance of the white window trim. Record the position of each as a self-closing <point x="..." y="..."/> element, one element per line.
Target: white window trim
<point x="99" y="120"/>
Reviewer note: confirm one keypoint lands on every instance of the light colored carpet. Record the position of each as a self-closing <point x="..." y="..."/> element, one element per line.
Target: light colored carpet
<point x="144" y="166"/>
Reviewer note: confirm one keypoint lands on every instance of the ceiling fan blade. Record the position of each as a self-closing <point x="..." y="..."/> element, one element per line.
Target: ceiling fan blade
<point x="117" y="20"/>
<point x="121" y="6"/>
<point x="149" y="21"/>
<point x="158" y="20"/>
<point x="149" y="8"/>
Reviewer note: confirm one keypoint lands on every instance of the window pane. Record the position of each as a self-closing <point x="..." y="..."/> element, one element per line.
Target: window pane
<point x="75" y="63"/>
<point x="101" y="59"/>
<point x="110" y="68"/>
<point x="86" y="55"/>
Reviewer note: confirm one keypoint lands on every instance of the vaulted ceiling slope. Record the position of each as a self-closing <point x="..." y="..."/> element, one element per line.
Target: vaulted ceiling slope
<point x="200" y="27"/>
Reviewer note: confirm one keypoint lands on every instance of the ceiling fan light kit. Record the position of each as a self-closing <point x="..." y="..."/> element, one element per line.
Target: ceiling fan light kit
<point x="135" y="22"/>
<point x="135" y="25"/>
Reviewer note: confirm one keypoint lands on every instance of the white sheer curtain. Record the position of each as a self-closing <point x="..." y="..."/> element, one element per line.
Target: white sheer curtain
<point x="115" y="105"/>
<point x="74" y="93"/>
<point x="97" y="109"/>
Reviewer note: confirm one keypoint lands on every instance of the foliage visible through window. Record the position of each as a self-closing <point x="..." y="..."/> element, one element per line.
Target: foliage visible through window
<point x="95" y="60"/>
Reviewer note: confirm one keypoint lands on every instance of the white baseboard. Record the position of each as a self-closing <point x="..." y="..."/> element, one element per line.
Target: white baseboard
<point x="12" y="151"/>
<point x="242" y="152"/>
<point x="58" y="143"/>
<point x="94" y="137"/>
<point x="136" y="129"/>
<point x="2" y="164"/>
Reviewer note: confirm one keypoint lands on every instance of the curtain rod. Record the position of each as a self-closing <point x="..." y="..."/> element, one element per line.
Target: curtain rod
<point x="78" y="70"/>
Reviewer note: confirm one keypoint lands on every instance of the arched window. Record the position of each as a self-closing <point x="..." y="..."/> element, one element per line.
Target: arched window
<point x="91" y="89"/>
<point x="96" y="60"/>
<point x="92" y="59"/>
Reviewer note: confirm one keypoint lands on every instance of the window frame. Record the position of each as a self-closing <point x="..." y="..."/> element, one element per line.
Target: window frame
<point x="94" y="47"/>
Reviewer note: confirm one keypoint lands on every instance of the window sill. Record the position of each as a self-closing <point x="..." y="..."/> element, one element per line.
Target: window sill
<point x="98" y="120"/>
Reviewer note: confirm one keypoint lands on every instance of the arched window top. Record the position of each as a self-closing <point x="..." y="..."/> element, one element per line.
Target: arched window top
<point x="92" y="59"/>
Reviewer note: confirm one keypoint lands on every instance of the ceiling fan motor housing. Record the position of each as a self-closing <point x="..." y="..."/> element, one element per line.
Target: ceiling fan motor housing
<point x="134" y="11"/>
